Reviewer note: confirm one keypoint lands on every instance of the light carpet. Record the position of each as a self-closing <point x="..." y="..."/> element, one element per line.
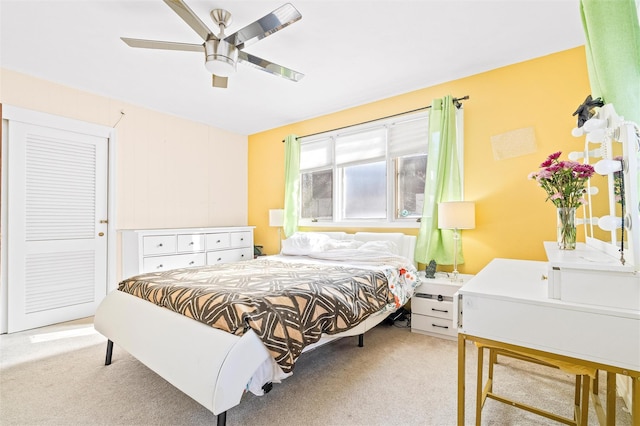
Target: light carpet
<point x="56" y="376"/>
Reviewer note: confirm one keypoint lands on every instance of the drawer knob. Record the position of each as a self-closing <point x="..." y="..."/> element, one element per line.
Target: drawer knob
<point x="192" y="262"/>
<point x="241" y="239"/>
<point x="191" y="243"/>
<point x="160" y="245"/>
<point x="242" y="255"/>
<point x="219" y="259"/>
<point x="218" y="242"/>
<point x="159" y="266"/>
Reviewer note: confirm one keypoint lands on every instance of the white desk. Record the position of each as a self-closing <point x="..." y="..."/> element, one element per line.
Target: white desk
<point x="506" y="305"/>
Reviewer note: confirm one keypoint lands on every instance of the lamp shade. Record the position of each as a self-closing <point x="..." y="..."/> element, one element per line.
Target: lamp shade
<point x="276" y="217"/>
<point x="457" y="215"/>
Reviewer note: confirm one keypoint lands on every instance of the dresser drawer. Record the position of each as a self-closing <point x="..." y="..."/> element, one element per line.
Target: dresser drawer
<point x="432" y="307"/>
<point x="158" y="244"/>
<point x="225" y="256"/>
<point x="432" y="325"/>
<point x="241" y="239"/>
<point x="190" y="243"/>
<point x="218" y="241"/>
<point x="163" y="263"/>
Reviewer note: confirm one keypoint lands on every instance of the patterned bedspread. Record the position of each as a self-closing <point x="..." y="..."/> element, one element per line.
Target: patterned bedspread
<point x="288" y="305"/>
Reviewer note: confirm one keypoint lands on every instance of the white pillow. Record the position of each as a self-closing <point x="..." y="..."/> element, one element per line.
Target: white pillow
<point x="303" y="243"/>
<point x="380" y="246"/>
<point x="396" y="237"/>
<point x="342" y="244"/>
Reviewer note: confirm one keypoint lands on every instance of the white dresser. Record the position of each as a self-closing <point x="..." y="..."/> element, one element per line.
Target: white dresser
<point x="150" y="250"/>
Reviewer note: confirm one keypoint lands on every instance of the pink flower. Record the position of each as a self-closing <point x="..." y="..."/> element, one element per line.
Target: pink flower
<point x="555" y="155"/>
<point x="556" y="196"/>
<point x="563" y="180"/>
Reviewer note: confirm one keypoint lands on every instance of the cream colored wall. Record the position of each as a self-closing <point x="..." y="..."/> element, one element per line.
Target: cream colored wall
<point x="170" y="172"/>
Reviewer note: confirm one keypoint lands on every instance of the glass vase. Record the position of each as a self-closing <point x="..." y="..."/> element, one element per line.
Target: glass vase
<point x="566" y="228"/>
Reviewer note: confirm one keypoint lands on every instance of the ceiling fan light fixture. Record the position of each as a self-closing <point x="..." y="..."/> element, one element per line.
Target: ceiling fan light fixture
<point x="221" y="57"/>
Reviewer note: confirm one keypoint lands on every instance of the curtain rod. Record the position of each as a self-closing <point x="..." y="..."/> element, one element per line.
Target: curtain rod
<point x="456" y="102"/>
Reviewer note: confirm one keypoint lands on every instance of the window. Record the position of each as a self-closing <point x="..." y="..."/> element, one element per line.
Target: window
<point x="371" y="174"/>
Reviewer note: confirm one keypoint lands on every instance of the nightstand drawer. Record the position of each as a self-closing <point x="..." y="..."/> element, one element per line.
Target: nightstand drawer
<point x="432" y="325"/>
<point x="432" y="307"/>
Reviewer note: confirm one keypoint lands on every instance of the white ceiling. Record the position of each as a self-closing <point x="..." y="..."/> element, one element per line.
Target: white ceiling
<point x="352" y="52"/>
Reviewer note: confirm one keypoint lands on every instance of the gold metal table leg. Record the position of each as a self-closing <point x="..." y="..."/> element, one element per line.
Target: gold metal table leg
<point x="635" y="400"/>
<point x="461" y="378"/>
<point x="611" y="398"/>
<point x="479" y="394"/>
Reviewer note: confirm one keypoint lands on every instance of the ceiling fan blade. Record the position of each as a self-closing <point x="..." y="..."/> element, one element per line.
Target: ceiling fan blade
<point x="218" y="81"/>
<point x="164" y="45"/>
<point x="270" y="67"/>
<point x="191" y="18"/>
<point x="282" y="17"/>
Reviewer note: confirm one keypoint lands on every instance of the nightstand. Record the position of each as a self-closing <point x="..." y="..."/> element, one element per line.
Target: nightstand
<point x="432" y="306"/>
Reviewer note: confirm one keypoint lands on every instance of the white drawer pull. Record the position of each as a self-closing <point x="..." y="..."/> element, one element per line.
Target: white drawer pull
<point x="440" y="326"/>
<point x="440" y="310"/>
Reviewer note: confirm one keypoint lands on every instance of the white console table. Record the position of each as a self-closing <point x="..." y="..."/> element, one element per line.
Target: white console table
<point x="507" y="306"/>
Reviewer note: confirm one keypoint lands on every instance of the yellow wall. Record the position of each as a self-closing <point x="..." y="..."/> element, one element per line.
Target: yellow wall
<point x="512" y="217"/>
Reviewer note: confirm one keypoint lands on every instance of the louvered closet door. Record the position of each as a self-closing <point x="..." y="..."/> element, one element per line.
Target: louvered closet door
<point x="57" y="267"/>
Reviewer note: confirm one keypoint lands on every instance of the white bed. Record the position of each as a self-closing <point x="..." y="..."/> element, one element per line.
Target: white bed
<point x="212" y="366"/>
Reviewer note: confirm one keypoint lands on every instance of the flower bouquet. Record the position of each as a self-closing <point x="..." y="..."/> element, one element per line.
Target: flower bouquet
<point x="564" y="183"/>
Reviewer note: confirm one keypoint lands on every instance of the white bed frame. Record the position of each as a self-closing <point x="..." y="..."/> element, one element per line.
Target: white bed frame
<point x="211" y="366"/>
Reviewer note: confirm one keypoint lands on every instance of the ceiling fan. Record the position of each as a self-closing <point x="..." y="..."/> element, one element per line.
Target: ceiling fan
<point x="223" y="52"/>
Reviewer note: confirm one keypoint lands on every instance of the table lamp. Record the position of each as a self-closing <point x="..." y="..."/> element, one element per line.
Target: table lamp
<point x="456" y="215"/>
<point x="276" y="219"/>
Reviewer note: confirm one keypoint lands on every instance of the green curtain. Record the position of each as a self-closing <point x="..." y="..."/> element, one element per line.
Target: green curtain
<point x="291" y="184"/>
<point x="443" y="183"/>
<point x="612" y="45"/>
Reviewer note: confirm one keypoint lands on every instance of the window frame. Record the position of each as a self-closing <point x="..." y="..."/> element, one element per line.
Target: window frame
<point x="392" y="219"/>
